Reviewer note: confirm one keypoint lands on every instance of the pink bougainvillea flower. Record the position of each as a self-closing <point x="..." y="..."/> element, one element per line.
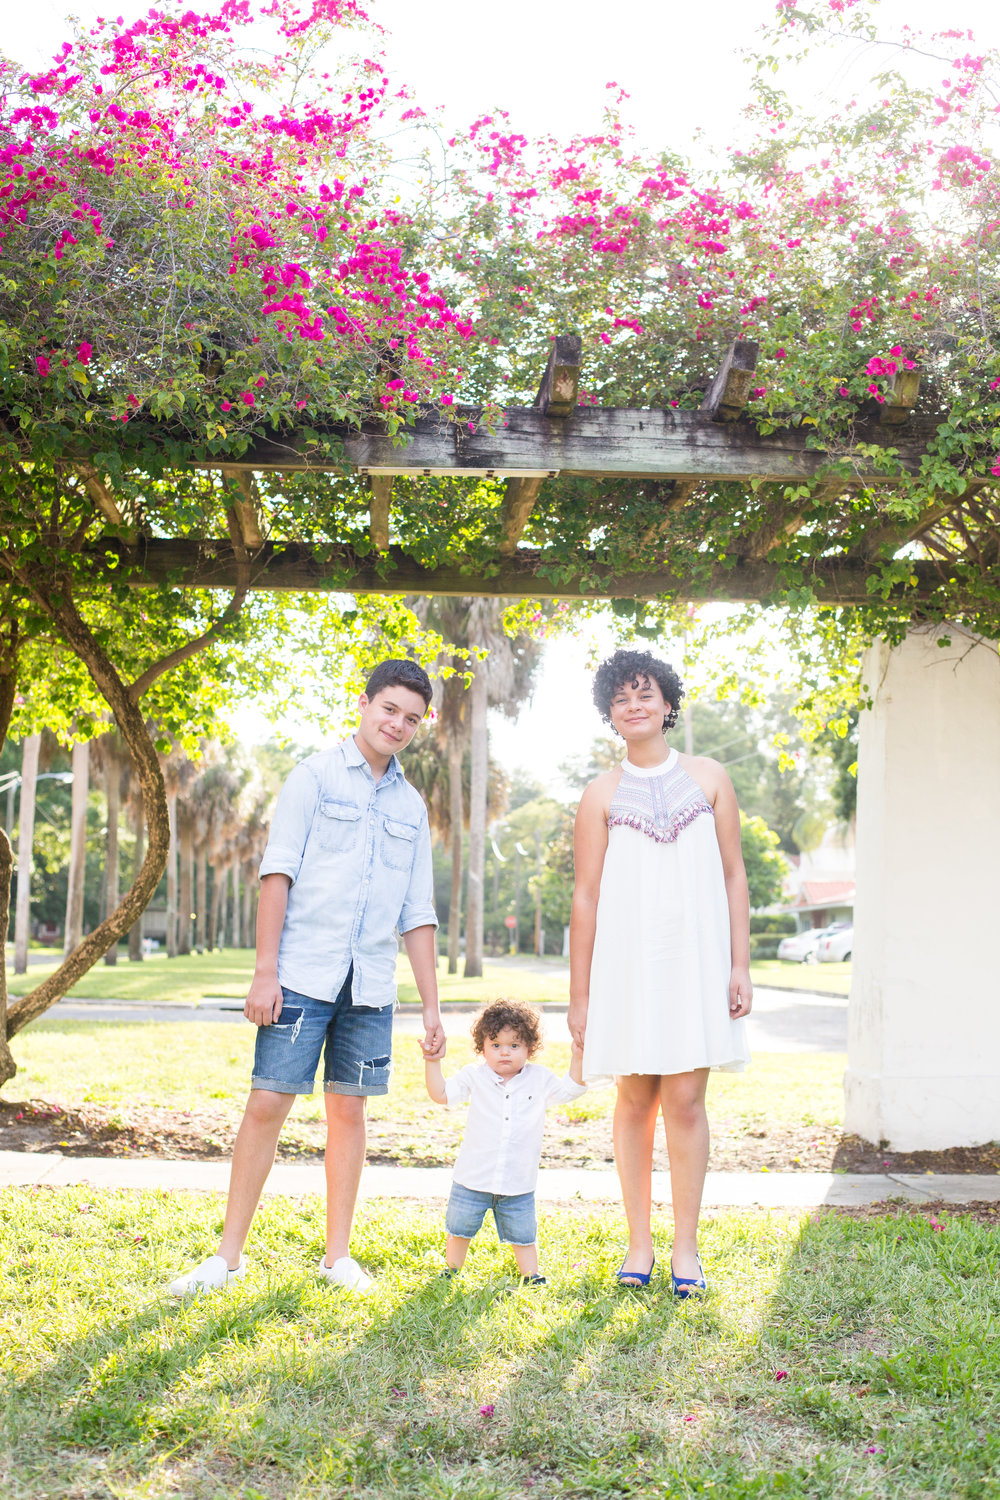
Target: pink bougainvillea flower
<point x="486" y="1411"/>
<point x="44" y="365"/>
<point x="450" y="400"/>
<point x="84" y="352"/>
<point x="227" y="406"/>
<point x="248" y="398"/>
<point x="781" y="1374"/>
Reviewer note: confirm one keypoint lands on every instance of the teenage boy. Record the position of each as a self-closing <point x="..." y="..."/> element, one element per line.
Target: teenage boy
<point x="347" y="865"/>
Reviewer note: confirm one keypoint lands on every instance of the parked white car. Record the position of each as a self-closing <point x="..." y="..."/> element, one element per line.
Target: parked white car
<point x="836" y="947"/>
<point x="802" y="947"/>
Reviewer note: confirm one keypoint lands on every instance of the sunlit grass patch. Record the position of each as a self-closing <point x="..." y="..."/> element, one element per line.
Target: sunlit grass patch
<point x="835" y="1356"/>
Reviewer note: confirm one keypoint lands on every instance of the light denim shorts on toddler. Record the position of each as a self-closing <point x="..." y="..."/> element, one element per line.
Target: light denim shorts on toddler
<point x="514" y="1214"/>
<point x="354" y="1040"/>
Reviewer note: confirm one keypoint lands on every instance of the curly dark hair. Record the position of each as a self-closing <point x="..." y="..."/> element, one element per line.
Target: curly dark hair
<point x="523" y="1020"/>
<point x="629" y="667"/>
<point x="400" y="672"/>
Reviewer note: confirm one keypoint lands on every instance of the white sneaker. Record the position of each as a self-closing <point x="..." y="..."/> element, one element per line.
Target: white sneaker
<point x="212" y="1275"/>
<point x="347" y="1273"/>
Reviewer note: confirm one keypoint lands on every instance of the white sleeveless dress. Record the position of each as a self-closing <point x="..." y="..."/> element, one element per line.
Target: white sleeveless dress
<point x="659" y="980"/>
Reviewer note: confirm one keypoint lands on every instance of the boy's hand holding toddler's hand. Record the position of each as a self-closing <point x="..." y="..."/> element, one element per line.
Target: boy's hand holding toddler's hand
<point x="433" y="1045"/>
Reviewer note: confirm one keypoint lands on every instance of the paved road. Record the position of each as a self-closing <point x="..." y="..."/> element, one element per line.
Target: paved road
<point x="781" y="1021"/>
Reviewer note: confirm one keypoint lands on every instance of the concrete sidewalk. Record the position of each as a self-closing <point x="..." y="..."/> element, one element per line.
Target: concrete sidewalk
<point x="555" y="1185"/>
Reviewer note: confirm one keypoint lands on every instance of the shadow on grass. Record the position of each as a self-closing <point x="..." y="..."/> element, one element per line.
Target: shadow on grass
<point x="836" y="1356"/>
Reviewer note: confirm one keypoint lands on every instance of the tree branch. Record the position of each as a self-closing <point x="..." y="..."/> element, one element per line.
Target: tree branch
<point x="191" y="648"/>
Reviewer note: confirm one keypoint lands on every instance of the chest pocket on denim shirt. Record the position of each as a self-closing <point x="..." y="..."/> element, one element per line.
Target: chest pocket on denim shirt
<point x="398" y="844"/>
<point x="338" y="825"/>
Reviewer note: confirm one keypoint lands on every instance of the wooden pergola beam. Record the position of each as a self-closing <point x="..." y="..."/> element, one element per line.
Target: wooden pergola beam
<point x="213" y="564"/>
<point x="623" y="443"/>
<point x="900" y="398"/>
<point x="729" y="391"/>
<point x="560" y="388"/>
<point x="244" y="508"/>
<point x="898" y="532"/>
<point x="557" y="397"/>
<point x="378" y="509"/>
<point x="102" y="497"/>
<point x="518" y="502"/>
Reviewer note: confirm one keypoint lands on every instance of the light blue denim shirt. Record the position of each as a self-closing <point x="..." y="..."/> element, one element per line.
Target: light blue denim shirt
<point x="358" y="855"/>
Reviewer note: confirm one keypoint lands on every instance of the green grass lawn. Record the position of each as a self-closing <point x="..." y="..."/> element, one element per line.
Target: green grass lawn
<point x="834" y="979"/>
<point x="194" y="977"/>
<point x="193" y="1064"/>
<point x="835" y="1357"/>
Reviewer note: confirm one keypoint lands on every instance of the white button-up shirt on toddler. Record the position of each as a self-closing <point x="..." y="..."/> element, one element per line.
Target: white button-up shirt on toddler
<point x="503" y="1134"/>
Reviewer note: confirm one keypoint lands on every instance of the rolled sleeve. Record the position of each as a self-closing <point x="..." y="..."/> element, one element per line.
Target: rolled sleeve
<point x="417" y="909"/>
<point x="459" y="1088"/>
<point x="293" y="815"/>
<point x="562" y="1090"/>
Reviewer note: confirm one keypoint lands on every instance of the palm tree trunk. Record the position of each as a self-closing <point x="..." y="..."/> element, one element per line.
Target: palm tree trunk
<point x="477" y="825"/>
<point x="172" y="878"/>
<point x="247" y="910"/>
<point x="224" y="906"/>
<point x="456" y="813"/>
<point x="185" y="894"/>
<point x="25" y="843"/>
<point x="135" y="953"/>
<point x="113" y="786"/>
<point x="218" y="878"/>
<point x="237" y="939"/>
<point x="201" y="885"/>
<point x="77" y="848"/>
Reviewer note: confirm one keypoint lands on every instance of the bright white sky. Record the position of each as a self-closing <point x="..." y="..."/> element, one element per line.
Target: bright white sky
<point x="549" y="66"/>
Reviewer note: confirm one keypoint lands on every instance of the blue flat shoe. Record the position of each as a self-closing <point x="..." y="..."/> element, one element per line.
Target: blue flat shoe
<point x="688" y="1286"/>
<point x="634" y="1278"/>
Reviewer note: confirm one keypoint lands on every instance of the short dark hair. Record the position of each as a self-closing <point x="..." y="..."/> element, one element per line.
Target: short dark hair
<point x="522" y="1019"/>
<point x="628" y="667"/>
<point x="400" y="672"/>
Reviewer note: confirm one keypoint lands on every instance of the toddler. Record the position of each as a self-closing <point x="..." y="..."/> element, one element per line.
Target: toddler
<point x="497" y="1165"/>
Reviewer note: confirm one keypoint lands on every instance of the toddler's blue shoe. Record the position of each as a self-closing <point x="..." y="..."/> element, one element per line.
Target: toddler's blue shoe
<point x="689" y="1286"/>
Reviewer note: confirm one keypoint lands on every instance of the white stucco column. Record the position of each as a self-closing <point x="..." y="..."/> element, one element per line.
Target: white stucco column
<point x="924" y="1017"/>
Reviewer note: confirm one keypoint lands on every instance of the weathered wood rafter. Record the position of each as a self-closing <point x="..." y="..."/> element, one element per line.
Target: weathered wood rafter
<point x="214" y="564"/>
<point x="668" y="459"/>
<point x="243" y="507"/>
<point x="729" y="391"/>
<point x="378" y="509"/>
<point x="594" y="442"/>
<point x="557" y="397"/>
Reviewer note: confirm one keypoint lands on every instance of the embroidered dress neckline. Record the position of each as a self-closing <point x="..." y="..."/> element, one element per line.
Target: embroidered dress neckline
<point x="657" y="801"/>
<point x="657" y="770"/>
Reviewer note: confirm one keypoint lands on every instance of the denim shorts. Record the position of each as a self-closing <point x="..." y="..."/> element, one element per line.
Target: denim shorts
<point x="355" y="1041"/>
<point x="514" y="1214"/>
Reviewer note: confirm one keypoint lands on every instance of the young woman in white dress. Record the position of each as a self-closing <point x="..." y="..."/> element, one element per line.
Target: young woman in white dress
<point x="659" y="951"/>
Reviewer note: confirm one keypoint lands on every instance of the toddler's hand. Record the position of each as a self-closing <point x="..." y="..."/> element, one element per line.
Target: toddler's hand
<point x="432" y="1050"/>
